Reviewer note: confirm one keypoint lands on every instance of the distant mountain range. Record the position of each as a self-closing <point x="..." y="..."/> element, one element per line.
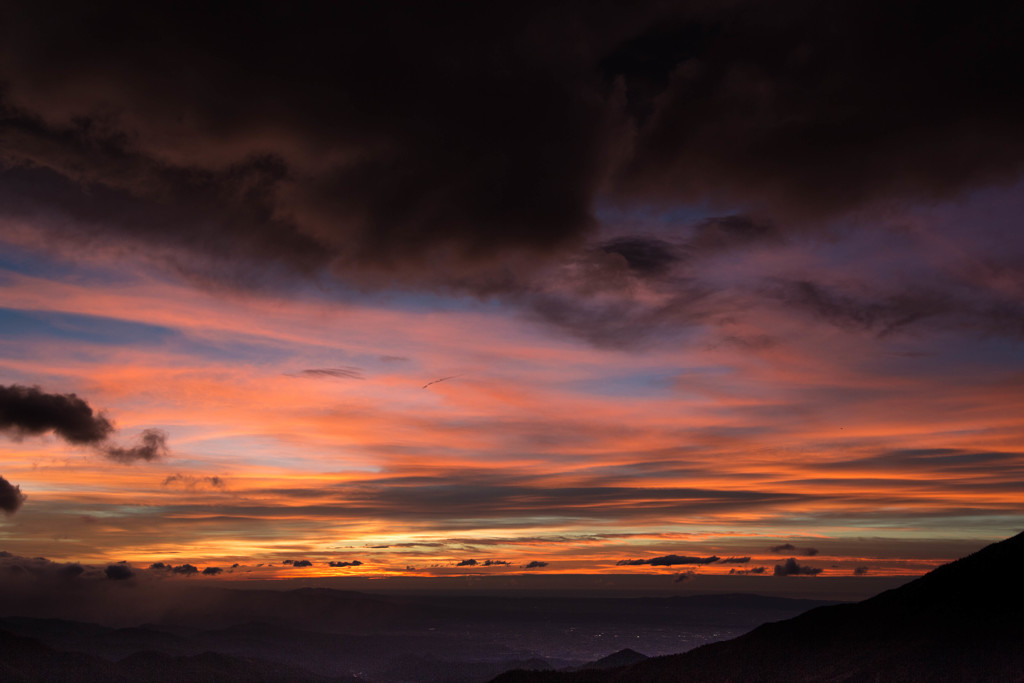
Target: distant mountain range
<point x="964" y="621"/>
<point x="217" y="634"/>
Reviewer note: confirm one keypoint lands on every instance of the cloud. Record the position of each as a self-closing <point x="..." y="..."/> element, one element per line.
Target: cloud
<point x="353" y="563"/>
<point x="466" y="563"/>
<point x="299" y="563"/>
<point x="119" y="572"/>
<point x="495" y="563"/>
<point x="396" y="182"/>
<point x="336" y="373"/>
<point x="190" y="482"/>
<point x="152" y="446"/>
<point x="212" y="571"/>
<point x="734" y="560"/>
<point x="11" y="497"/>
<point x="881" y="313"/>
<point x="722" y="233"/>
<point x="71" y="571"/>
<point x="41" y="569"/>
<point x="185" y="570"/>
<point x="791" y="568"/>
<point x="688" y="575"/>
<point x="752" y="570"/>
<point x="536" y="564"/>
<point x="785" y="111"/>
<point x="643" y="256"/>
<point x="790" y="548"/>
<point x="860" y="571"/>
<point x="669" y="560"/>
<point x="29" y="411"/>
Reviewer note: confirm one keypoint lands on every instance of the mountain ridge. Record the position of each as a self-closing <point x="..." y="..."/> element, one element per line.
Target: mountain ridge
<point x="960" y="622"/>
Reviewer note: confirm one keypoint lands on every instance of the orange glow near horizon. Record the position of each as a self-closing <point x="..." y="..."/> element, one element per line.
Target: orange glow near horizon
<point x="301" y="429"/>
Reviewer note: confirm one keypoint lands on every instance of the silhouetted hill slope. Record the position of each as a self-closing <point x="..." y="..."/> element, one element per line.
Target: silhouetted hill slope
<point x="616" y="659"/>
<point x="961" y="622"/>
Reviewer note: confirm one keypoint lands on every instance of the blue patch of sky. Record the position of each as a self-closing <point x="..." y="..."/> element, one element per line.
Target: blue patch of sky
<point x="634" y="384"/>
<point x="83" y="328"/>
<point x="950" y="354"/>
<point x="26" y="325"/>
<point x="37" y="263"/>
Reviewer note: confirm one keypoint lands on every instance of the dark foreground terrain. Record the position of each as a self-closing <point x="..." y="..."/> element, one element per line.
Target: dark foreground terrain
<point x="215" y="634"/>
<point x="961" y="622"/>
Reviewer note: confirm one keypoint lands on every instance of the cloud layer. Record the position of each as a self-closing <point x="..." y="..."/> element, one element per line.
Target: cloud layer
<point x="467" y="138"/>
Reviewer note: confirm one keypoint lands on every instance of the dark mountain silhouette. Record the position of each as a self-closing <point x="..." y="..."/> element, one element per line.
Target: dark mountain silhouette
<point x="25" y="660"/>
<point x="961" y="622"/>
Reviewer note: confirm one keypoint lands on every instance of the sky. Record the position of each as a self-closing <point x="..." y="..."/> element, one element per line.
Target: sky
<point x="678" y="289"/>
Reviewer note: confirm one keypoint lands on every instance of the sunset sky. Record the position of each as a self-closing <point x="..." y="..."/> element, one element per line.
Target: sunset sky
<point x="556" y="283"/>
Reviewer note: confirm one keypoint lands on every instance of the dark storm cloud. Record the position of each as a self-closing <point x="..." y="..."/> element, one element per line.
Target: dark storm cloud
<point x="119" y="572"/>
<point x="152" y="446"/>
<point x="29" y="411"/>
<point x="367" y="138"/>
<point x="11" y="497"/>
<point x="792" y="568"/>
<point x="409" y="142"/>
<point x="212" y="571"/>
<point x="353" y="563"/>
<point x="536" y="564"/>
<point x="669" y="560"/>
<point x="814" y="108"/>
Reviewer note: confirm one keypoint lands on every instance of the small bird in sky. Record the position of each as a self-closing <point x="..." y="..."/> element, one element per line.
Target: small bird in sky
<point x="443" y="379"/>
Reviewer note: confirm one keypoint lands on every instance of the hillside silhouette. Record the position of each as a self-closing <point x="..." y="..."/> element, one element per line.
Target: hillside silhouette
<point x="964" y="621"/>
